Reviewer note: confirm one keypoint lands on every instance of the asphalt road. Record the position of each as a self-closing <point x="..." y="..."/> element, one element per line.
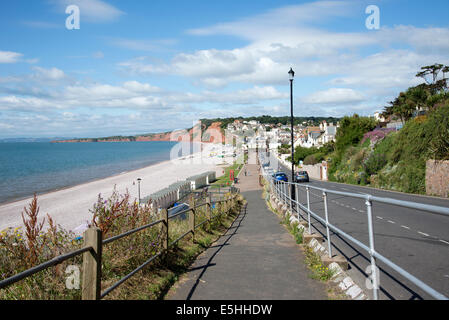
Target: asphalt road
<point x="415" y="240"/>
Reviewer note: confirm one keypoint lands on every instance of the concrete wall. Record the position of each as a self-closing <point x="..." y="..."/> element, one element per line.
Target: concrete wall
<point x="437" y="178"/>
<point x="317" y="171"/>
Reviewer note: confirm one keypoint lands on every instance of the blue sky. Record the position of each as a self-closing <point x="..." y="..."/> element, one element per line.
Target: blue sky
<point x="149" y="66"/>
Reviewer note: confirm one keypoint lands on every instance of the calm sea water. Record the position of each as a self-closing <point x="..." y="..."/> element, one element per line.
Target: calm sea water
<point x="26" y="168"/>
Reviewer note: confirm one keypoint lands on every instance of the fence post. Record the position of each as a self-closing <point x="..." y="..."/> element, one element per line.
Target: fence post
<point x="297" y="200"/>
<point x="308" y="210"/>
<point x="192" y="217"/>
<point x="329" y="243"/>
<point x="92" y="265"/>
<point x="165" y="229"/>
<point x="285" y="194"/>
<point x="208" y="208"/>
<point x="375" y="276"/>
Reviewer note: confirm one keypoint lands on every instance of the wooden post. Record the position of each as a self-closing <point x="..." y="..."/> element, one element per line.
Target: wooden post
<point x="92" y="265"/>
<point x="208" y="208"/>
<point x="192" y="217"/>
<point x="165" y="229"/>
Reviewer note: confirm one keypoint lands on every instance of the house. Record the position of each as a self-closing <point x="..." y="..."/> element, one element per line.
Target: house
<point x="330" y="132"/>
<point x="317" y="136"/>
<point x="379" y="117"/>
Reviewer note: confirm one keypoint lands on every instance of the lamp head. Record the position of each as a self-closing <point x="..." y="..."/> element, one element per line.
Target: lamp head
<point x="291" y="74"/>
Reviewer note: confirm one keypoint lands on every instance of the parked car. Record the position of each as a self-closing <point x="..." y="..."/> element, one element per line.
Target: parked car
<point x="301" y="176"/>
<point x="280" y="176"/>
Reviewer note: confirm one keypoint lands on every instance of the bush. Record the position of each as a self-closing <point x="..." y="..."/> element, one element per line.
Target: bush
<point x="374" y="163"/>
<point x="351" y="131"/>
<point x="310" y="160"/>
<point x="22" y="250"/>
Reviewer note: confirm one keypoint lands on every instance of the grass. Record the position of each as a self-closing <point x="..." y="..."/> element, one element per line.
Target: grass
<point x="224" y="179"/>
<point x="319" y="270"/>
<point x="20" y="251"/>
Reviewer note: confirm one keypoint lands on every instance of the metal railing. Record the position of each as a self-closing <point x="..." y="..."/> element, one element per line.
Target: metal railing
<point x="282" y="191"/>
<point x="93" y="243"/>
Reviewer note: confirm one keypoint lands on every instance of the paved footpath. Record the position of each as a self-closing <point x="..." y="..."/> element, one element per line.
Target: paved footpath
<point x="257" y="259"/>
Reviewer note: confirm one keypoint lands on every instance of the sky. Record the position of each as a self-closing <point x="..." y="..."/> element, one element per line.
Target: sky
<point x="137" y="67"/>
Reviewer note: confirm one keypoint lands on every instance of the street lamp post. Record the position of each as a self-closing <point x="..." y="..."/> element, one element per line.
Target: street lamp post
<point x="291" y="74"/>
<point x="138" y="188"/>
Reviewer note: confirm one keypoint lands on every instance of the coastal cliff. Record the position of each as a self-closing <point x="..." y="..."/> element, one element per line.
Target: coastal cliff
<point x="207" y="136"/>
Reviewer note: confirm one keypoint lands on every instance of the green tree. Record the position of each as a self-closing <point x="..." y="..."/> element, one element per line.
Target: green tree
<point x="351" y="131"/>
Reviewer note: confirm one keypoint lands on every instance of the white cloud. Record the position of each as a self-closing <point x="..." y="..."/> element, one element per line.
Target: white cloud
<point x="30" y="104"/>
<point x="9" y="57"/>
<point x="291" y="37"/>
<point x="274" y="23"/>
<point x="335" y="96"/>
<point x="52" y="74"/>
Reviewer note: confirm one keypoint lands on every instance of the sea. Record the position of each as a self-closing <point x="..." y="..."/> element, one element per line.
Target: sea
<point x="39" y="167"/>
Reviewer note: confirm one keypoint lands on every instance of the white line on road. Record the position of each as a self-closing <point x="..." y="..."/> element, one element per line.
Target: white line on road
<point x="444" y="241"/>
<point x="391" y="221"/>
<point x="405" y="227"/>
<point x="424" y="234"/>
<point x="379" y="218"/>
<point x="361" y="211"/>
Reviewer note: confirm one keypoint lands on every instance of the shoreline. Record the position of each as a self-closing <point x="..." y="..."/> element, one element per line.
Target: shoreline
<point x="43" y="193"/>
<point x="69" y="206"/>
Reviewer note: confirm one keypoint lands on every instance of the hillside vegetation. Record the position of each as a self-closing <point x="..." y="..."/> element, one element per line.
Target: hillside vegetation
<point x="366" y="154"/>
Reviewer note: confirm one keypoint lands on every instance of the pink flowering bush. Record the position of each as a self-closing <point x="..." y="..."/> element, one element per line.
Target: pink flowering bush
<point x="377" y="134"/>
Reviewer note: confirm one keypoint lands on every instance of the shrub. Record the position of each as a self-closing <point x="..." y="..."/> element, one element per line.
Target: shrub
<point x="20" y="251"/>
<point x="377" y="135"/>
<point x="374" y="163"/>
<point x="351" y="131"/>
<point x="310" y="160"/>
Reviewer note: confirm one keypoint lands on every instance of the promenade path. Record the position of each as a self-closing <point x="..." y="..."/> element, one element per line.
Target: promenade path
<point x="257" y="259"/>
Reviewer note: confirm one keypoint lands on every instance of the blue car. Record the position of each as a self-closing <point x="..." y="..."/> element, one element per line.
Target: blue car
<point x="280" y="176"/>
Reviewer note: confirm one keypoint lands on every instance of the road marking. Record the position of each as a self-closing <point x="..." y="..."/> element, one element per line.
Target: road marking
<point x="405" y="227"/>
<point x="354" y="209"/>
<point x="391" y="221"/>
<point x="424" y="234"/>
<point x="379" y="218"/>
<point x="361" y="211"/>
<point x="444" y="241"/>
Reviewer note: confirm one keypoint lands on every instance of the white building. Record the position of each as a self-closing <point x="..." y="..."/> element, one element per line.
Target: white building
<point x="378" y="116"/>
